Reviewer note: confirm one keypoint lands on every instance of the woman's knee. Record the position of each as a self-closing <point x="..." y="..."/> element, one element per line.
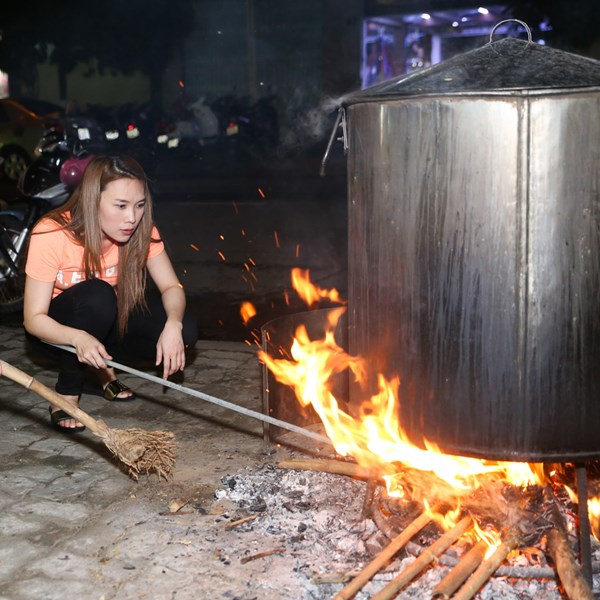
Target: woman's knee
<point x="91" y="303"/>
<point x="97" y="293"/>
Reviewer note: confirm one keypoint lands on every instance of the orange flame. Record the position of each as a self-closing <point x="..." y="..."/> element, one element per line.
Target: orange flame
<point x="374" y="437"/>
<point x="311" y="293"/>
<point x="594" y="514"/>
<point x="593" y="510"/>
<point x="488" y="535"/>
<point x="247" y="311"/>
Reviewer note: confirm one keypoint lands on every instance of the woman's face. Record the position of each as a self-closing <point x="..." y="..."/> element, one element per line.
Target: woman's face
<point x="122" y="205"/>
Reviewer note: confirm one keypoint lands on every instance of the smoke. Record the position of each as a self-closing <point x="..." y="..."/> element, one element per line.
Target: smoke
<point x="307" y="120"/>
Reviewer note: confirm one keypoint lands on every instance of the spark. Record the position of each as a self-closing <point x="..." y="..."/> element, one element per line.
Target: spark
<point x="261" y="193"/>
<point x="221" y="255"/>
<point x="276" y="236"/>
<point x="194" y="247"/>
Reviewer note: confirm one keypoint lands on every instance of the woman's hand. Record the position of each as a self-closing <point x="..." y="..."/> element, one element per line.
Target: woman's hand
<point x="170" y="349"/>
<point x="89" y="350"/>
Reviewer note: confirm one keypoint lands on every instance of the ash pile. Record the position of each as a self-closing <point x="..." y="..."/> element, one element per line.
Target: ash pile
<point x="316" y="532"/>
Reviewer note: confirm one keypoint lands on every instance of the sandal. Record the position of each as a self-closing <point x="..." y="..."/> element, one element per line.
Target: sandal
<point x="116" y="387"/>
<point x="60" y="416"/>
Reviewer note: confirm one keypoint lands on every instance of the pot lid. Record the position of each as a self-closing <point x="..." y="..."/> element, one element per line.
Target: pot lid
<point x="508" y="64"/>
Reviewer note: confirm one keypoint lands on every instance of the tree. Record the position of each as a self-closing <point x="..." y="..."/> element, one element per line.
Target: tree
<point x="121" y="35"/>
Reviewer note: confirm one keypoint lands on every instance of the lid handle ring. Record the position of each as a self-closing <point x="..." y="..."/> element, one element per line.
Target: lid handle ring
<point x="522" y="23"/>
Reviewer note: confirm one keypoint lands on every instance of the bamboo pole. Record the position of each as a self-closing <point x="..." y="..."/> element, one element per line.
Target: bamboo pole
<point x="141" y="451"/>
<point x="428" y="556"/>
<point x="383" y="557"/>
<point x="486" y="569"/>
<point x="470" y="561"/>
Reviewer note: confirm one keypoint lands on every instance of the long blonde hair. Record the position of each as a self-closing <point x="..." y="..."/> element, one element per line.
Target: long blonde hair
<point x="79" y="217"/>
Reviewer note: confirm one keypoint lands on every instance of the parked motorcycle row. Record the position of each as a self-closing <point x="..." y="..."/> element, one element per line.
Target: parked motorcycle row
<point x="227" y="128"/>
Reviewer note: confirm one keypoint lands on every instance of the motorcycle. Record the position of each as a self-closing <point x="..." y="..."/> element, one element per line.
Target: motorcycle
<point x="61" y="157"/>
<point x="197" y="125"/>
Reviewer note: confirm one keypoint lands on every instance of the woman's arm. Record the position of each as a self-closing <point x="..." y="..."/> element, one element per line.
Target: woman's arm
<point x="37" y="322"/>
<point x="170" y="349"/>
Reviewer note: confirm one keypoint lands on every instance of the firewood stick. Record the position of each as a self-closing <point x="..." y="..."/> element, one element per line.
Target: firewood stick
<point x="148" y="451"/>
<point x="470" y="561"/>
<point x="239" y="522"/>
<point x="328" y="466"/>
<point x="367" y="508"/>
<point x="383" y="557"/>
<point x="246" y="559"/>
<point x="428" y="556"/>
<point x="569" y="572"/>
<point x="486" y="569"/>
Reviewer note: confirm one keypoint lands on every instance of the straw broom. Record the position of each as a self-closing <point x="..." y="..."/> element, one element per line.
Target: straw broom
<point x="142" y="451"/>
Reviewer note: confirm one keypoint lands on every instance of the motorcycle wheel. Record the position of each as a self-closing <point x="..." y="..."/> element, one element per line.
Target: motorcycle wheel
<point x="14" y="162"/>
<point x="12" y="288"/>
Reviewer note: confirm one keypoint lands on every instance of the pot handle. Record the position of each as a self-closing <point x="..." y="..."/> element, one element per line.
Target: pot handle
<point x="522" y="23"/>
<point x="340" y="121"/>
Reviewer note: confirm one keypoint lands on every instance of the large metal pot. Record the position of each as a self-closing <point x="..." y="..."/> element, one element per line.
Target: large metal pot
<point x="474" y="249"/>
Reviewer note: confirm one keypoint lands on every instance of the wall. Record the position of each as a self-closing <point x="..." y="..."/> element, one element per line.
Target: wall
<point x="86" y="86"/>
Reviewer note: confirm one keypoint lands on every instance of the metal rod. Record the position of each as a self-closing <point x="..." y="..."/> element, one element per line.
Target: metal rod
<point x="585" y="548"/>
<point x="330" y="142"/>
<point x="240" y="409"/>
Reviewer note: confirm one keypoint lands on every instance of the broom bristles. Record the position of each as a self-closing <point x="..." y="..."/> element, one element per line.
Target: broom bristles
<point x="143" y="451"/>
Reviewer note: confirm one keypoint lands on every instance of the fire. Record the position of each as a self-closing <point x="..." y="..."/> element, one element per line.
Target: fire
<point x="593" y="505"/>
<point x="247" y="311"/>
<point x="489" y="536"/>
<point x="375" y="437"/>
<point x="311" y="293"/>
<point x="594" y="513"/>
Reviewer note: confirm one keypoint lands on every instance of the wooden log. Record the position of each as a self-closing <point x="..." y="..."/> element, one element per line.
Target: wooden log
<point x="383" y="557"/>
<point x="367" y="508"/>
<point x="457" y="576"/>
<point x="569" y="572"/>
<point x="428" y="556"/>
<point x="486" y="569"/>
<point x="329" y="466"/>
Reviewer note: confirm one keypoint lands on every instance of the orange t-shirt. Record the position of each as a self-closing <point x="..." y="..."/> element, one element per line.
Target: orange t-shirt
<point x="53" y="256"/>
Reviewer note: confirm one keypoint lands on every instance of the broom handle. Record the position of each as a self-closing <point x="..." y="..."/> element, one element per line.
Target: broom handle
<point x="29" y="382"/>
<point x="240" y="409"/>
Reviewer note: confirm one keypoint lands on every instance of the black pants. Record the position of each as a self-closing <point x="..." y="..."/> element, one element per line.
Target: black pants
<point x="92" y="306"/>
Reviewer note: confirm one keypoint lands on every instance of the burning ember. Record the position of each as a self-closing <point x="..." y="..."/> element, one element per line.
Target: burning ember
<point x="247" y="311"/>
<point x="376" y="443"/>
